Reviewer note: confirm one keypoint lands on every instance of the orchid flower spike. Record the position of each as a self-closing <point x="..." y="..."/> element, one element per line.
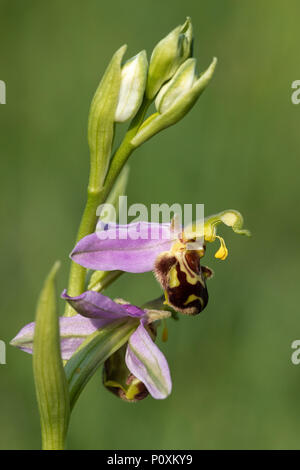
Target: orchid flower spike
<point x="169" y="252"/>
<point x="138" y="369"/>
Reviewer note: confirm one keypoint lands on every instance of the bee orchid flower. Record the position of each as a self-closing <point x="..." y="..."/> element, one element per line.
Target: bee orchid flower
<point x="145" y="364"/>
<point x="162" y="248"/>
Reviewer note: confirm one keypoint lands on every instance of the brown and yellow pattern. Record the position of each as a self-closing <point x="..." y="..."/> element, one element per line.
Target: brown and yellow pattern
<point x="183" y="280"/>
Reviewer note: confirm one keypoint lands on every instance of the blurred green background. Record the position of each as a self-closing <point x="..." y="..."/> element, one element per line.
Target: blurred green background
<point x="234" y="383"/>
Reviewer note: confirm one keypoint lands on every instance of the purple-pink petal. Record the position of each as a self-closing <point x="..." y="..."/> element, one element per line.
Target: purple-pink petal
<point x="132" y="248"/>
<point x="148" y="364"/>
<point x="95" y="305"/>
<point x="73" y="331"/>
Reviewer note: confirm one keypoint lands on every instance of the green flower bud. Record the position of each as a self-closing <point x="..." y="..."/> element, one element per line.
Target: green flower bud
<point x="133" y="83"/>
<point x="167" y="56"/>
<point x="181" y="83"/>
<point x="175" y="102"/>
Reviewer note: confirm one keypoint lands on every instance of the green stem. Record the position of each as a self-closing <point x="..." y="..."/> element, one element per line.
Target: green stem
<point x="126" y="148"/>
<point x="87" y="225"/>
<point x="96" y="196"/>
<point x="53" y="442"/>
<point x="102" y="279"/>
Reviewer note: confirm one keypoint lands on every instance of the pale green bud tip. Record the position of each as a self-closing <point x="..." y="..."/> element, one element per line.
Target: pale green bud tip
<point x="181" y="82"/>
<point x="206" y="76"/>
<point x="184" y="90"/>
<point x="133" y="83"/>
<point x="187" y="29"/>
<point x="168" y="55"/>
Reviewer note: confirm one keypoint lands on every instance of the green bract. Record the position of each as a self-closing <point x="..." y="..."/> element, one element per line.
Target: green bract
<point x="102" y="118"/>
<point x="50" y="380"/>
<point x="93" y="352"/>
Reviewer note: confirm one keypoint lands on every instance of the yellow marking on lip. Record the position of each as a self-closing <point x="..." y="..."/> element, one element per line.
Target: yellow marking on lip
<point x="173" y="278"/>
<point x="191" y="279"/>
<point x="191" y="298"/>
<point x="133" y="390"/>
<point x="166" y="301"/>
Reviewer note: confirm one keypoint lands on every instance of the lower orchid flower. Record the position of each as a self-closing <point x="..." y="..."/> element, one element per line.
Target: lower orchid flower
<point x="134" y="370"/>
<point x="164" y="249"/>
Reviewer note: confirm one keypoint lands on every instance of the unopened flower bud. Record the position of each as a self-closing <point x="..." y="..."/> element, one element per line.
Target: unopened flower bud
<point x="167" y="56"/>
<point x="175" y="102"/>
<point x="181" y="83"/>
<point x="133" y="83"/>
